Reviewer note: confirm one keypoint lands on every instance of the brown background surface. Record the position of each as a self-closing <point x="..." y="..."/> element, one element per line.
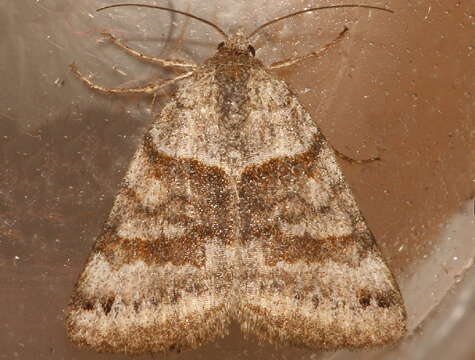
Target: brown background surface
<point x="401" y="86"/>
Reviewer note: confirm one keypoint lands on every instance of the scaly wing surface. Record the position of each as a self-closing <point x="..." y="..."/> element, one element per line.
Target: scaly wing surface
<point x="312" y="274"/>
<point x="158" y="278"/>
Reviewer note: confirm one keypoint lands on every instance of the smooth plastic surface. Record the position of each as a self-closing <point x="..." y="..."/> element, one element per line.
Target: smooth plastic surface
<point x="400" y="86"/>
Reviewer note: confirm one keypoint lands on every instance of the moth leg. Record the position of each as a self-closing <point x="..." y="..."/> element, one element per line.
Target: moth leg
<point x="355" y="161"/>
<point x="164" y="62"/>
<point x="147" y="89"/>
<point x="317" y="53"/>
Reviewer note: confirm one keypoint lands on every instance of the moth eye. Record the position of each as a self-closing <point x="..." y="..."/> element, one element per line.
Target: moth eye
<point x="220" y="45"/>
<point x="251" y="50"/>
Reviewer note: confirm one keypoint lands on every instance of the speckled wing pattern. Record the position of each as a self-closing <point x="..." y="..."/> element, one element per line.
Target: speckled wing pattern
<point x="233" y="208"/>
<point x="313" y="275"/>
<point x="158" y="278"/>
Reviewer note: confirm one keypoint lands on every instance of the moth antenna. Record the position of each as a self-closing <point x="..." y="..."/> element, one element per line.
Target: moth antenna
<point x="214" y="26"/>
<point x="315" y="9"/>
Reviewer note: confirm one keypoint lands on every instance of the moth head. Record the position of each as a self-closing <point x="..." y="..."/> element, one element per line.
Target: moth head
<point x="237" y="43"/>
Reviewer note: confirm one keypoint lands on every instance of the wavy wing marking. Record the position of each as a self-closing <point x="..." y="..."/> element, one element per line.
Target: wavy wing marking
<point x="159" y="276"/>
<point x="313" y="275"/>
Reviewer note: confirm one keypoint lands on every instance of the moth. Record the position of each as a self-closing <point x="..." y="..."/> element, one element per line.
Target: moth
<point x="233" y="209"/>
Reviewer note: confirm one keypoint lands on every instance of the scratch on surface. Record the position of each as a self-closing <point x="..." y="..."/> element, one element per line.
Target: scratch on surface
<point x="428" y="12"/>
<point x="53" y="43"/>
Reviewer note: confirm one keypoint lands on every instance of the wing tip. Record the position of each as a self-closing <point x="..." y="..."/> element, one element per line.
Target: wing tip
<point x="340" y="329"/>
<point x="133" y="335"/>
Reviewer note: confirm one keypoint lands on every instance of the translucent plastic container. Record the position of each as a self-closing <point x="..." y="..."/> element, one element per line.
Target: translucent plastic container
<point x="400" y="86"/>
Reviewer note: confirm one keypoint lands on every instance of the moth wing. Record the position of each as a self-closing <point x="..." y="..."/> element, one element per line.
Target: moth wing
<point x="313" y="275"/>
<point x="157" y="278"/>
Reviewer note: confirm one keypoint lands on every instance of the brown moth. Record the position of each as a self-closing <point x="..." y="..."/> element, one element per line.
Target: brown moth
<point x="233" y="209"/>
